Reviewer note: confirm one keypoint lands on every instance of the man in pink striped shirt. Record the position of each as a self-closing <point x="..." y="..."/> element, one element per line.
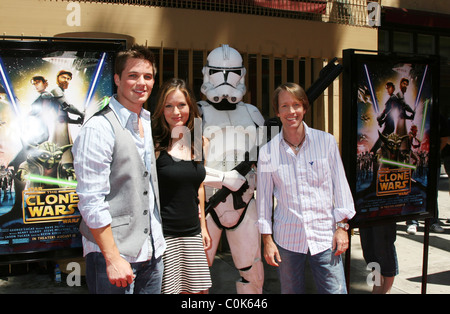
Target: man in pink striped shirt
<point x="302" y="168"/>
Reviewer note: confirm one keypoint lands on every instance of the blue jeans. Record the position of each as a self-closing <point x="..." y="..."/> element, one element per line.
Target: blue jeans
<point x="327" y="270"/>
<point x="148" y="277"/>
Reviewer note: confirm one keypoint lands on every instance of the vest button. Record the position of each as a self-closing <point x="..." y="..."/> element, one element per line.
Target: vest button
<point x="146" y="230"/>
<point x="145" y="212"/>
<point x="145" y="173"/>
<point x="145" y="192"/>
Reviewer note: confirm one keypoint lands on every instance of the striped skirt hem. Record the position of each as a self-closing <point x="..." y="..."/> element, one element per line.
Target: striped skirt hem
<point x="185" y="266"/>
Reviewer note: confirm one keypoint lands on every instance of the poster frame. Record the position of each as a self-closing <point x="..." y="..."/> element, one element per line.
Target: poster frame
<point x="352" y="60"/>
<point x="24" y="46"/>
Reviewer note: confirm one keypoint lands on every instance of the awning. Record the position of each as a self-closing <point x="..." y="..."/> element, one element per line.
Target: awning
<point x="296" y="6"/>
<point x="415" y="18"/>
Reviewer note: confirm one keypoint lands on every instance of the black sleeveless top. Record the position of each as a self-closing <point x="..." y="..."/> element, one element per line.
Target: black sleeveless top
<point x="179" y="181"/>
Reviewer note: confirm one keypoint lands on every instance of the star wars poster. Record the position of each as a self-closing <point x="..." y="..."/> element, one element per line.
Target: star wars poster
<point x="46" y="93"/>
<point x="394" y="139"/>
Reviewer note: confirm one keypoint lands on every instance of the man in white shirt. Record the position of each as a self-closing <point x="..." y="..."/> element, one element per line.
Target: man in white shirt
<point x="117" y="186"/>
<point x="303" y="169"/>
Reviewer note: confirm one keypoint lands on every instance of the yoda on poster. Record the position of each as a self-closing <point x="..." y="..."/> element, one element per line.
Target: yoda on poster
<point x="394" y="102"/>
<point x="45" y="96"/>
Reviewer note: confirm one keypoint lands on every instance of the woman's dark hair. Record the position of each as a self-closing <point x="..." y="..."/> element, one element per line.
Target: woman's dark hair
<point x="160" y="128"/>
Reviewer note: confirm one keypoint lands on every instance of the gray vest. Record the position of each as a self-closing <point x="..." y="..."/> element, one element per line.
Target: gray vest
<point x="128" y="198"/>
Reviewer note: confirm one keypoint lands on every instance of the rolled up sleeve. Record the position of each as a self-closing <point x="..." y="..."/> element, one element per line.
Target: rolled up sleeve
<point x="92" y="151"/>
<point x="344" y="207"/>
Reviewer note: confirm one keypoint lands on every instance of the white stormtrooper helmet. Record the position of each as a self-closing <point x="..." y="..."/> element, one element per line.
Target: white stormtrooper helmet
<point x="224" y="75"/>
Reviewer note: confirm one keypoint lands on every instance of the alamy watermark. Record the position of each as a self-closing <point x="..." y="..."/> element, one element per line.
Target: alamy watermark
<point x="374" y="14"/>
<point x="374" y="278"/>
<point x="226" y="139"/>
<point x="74" y="17"/>
<point x="74" y="276"/>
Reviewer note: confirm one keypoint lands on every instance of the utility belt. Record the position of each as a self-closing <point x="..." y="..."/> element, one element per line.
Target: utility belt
<point x="219" y="224"/>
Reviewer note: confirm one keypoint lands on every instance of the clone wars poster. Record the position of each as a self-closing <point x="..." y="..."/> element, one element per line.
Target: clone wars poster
<point x="394" y="104"/>
<point x="44" y="99"/>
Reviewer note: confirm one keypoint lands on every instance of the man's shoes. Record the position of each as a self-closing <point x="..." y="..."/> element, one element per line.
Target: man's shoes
<point x="436" y="228"/>
<point x="412" y="229"/>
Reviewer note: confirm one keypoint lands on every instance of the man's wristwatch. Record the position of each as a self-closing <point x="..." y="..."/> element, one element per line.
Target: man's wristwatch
<point x="343" y="225"/>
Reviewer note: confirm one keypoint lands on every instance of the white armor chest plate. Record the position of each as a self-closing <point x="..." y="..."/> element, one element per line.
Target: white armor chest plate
<point x="231" y="133"/>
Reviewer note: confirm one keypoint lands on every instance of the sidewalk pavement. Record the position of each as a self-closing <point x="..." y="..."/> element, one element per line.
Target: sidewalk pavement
<point x="224" y="275"/>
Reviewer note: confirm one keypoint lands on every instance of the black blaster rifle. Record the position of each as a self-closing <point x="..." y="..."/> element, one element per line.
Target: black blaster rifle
<point x="326" y="76"/>
<point x="220" y="196"/>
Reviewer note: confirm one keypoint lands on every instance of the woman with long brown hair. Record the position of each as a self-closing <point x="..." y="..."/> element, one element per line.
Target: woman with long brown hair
<point x="182" y="196"/>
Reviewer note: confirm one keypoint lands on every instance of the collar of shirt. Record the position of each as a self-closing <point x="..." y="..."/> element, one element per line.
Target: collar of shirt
<point x="128" y="120"/>
<point x="125" y="116"/>
<point x="286" y="145"/>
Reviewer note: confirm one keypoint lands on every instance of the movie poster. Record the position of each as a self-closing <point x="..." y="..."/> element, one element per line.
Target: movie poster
<point x="45" y="96"/>
<point x="393" y="168"/>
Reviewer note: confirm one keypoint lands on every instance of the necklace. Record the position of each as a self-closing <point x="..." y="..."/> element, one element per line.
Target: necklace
<point x="178" y="144"/>
<point x="296" y="147"/>
<point x="179" y="150"/>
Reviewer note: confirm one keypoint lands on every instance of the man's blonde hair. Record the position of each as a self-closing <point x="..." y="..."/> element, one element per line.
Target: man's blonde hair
<point x="295" y="90"/>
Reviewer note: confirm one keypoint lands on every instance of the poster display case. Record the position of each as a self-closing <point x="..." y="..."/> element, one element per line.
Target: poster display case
<point x="390" y="114"/>
<point x="48" y="88"/>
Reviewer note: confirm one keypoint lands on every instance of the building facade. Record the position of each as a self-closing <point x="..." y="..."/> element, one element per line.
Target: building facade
<point x="279" y="40"/>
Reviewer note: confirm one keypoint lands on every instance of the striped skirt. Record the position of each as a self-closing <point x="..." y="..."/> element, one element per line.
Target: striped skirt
<point x="185" y="266"/>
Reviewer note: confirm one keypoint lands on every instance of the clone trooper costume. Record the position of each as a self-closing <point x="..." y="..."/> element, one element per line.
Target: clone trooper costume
<point x="231" y="128"/>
